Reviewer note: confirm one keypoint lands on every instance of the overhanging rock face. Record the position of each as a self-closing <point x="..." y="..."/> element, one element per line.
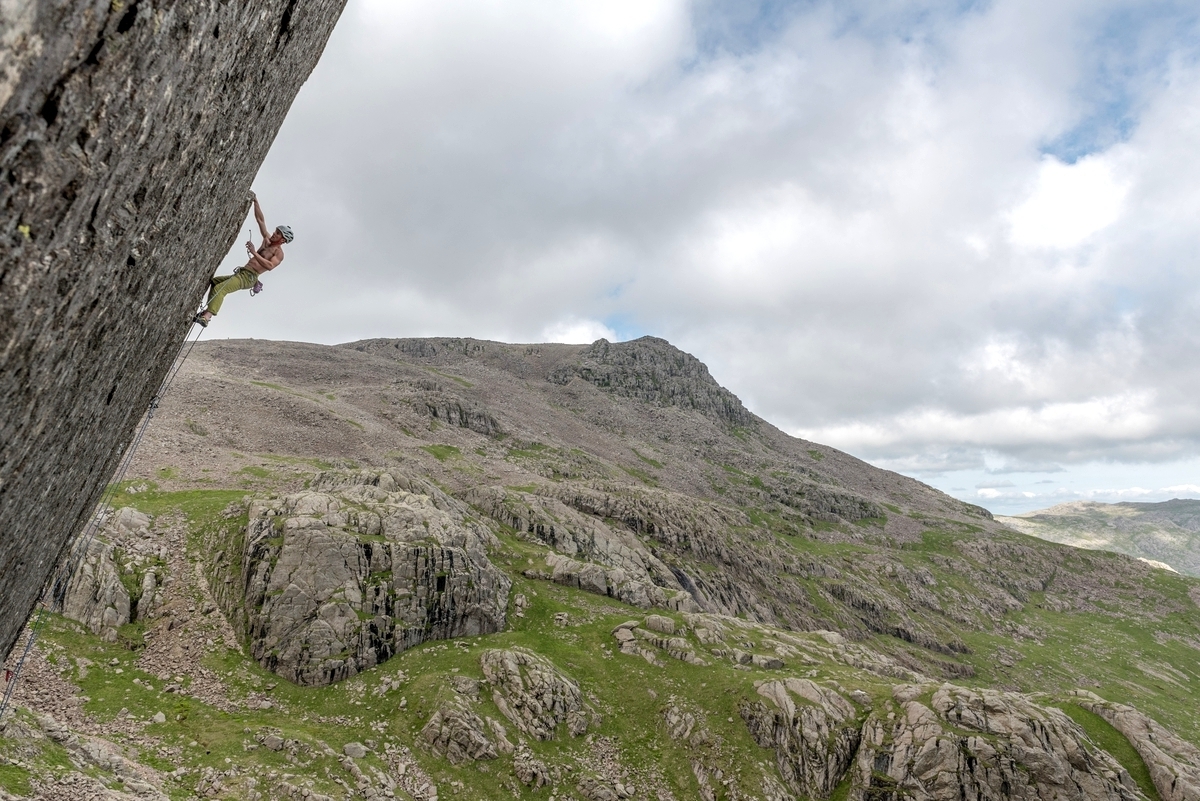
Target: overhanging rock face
<point x="129" y="135"/>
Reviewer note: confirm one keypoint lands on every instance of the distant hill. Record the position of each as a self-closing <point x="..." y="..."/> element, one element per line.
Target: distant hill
<point x="1164" y="532"/>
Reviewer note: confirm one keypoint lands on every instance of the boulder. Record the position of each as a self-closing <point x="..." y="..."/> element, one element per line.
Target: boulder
<point x="358" y="568"/>
<point x="595" y="789"/>
<point x="766" y="662"/>
<point x="529" y="770"/>
<point x="983" y="745"/>
<point x="533" y="694"/>
<point x="94" y="594"/>
<point x="131" y="133"/>
<point x="458" y="734"/>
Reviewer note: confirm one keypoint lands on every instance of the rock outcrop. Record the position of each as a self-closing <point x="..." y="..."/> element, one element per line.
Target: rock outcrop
<point x="458" y="734"/>
<point x="533" y="694"/>
<point x="812" y="730"/>
<point x="1174" y="763"/>
<point x="95" y="595"/>
<point x="981" y="745"/>
<point x="129" y="135"/>
<point x="97" y="588"/>
<point x="652" y="370"/>
<point x="359" y="567"/>
<point x="589" y="554"/>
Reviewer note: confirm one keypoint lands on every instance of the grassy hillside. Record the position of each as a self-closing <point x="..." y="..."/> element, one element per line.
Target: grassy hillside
<point x="806" y="592"/>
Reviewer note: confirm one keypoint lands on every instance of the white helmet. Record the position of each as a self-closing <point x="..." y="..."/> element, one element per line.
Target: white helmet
<point x="286" y="232"/>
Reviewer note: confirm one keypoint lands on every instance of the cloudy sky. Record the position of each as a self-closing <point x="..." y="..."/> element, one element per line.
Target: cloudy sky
<point x="960" y="240"/>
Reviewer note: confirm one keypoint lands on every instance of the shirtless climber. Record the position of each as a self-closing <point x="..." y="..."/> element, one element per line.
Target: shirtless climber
<point x="266" y="258"/>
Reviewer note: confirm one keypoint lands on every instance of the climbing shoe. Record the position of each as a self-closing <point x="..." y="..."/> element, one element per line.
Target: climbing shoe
<point x="200" y="318"/>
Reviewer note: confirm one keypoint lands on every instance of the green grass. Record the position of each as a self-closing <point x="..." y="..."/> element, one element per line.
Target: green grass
<point x="193" y="503"/>
<point x="640" y="475"/>
<point x="816" y="454"/>
<point x="1073" y="647"/>
<point x="619" y="685"/>
<point x="842" y="791"/>
<point x="530" y="451"/>
<point x="15" y="780"/>
<point x="442" y="452"/>
<point x="320" y="464"/>
<point x="652" y="462"/>
<point x="1115" y="743"/>
<point x="256" y="471"/>
<point x="460" y="381"/>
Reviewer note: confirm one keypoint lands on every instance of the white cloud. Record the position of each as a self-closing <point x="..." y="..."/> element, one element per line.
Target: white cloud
<point x="1069" y="204"/>
<point x="1125" y="417"/>
<point x="848" y="210"/>
<point x="575" y="331"/>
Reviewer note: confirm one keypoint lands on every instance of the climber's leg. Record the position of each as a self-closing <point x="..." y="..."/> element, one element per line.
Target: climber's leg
<point x="222" y="285"/>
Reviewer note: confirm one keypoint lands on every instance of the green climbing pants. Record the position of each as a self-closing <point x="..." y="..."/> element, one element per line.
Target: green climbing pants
<point x="222" y="285"/>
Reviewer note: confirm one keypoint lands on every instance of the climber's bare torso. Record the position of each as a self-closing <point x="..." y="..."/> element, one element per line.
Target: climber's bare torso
<point x="268" y="256"/>
<point x="270" y="252"/>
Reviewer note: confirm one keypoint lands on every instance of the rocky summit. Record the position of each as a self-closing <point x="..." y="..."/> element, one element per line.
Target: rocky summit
<point x="425" y="568"/>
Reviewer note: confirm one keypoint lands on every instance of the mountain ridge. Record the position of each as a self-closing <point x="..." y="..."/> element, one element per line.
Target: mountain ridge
<point x="1167" y="532"/>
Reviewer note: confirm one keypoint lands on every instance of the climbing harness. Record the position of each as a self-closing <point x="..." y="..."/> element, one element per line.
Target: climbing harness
<point x="57" y="588"/>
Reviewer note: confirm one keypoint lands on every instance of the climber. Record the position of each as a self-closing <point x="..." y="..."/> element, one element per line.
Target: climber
<point x="266" y="258"/>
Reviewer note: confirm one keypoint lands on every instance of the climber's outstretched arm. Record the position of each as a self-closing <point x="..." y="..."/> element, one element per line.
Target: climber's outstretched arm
<point x="259" y="218"/>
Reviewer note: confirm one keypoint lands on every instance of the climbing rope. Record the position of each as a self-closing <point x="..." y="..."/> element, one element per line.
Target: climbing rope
<point x="57" y="589"/>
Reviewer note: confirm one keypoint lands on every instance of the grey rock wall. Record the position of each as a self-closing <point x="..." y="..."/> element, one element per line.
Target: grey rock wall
<point x="95" y="595"/>
<point x="130" y="131"/>
<point x="811" y="729"/>
<point x="653" y="370"/>
<point x="341" y="577"/>
<point x="982" y="745"/>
